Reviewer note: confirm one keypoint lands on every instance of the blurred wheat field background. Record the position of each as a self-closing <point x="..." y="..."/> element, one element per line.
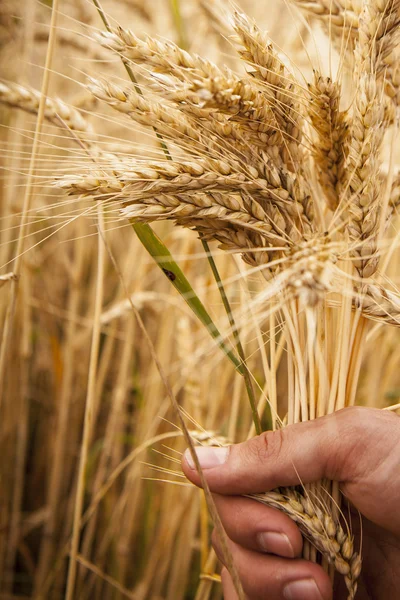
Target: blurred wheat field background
<point x="70" y="283"/>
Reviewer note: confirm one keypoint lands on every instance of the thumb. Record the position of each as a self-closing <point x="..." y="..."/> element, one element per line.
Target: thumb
<point x="338" y="447"/>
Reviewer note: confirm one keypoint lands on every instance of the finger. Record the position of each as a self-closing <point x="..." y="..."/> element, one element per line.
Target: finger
<point x="334" y="447"/>
<point x="258" y="527"/>
<point x="227" y="586"/>
<point x="278" y="578"/>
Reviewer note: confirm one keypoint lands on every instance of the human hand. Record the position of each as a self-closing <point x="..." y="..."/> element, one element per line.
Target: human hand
<point x="358" y="447"/>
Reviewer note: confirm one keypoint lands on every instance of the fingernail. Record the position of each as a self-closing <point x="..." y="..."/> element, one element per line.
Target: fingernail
<point x="305" y="589"/>
<point x="276" y="543"/>
<point x="208" y="457"/>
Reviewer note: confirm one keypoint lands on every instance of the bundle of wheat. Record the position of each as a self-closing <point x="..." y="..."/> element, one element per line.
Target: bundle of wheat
<point x="283" y="173"/>
<point x="244" y="148"/>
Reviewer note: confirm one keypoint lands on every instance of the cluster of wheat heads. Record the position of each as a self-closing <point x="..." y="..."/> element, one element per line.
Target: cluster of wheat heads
<point x="289" y="173"/>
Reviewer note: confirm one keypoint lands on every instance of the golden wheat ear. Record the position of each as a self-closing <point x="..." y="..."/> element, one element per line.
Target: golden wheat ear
<point x="323" y="532"/>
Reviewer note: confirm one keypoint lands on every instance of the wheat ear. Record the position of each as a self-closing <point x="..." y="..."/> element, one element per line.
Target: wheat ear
<point x="330" y="127"/>
<point x="56" y="111"/>
<point x="317" y="526"/>
<point x="365" y="136"/>
<point x="277" y="84"/>
<point x="340" y="13"/>
<point x="380" y="304"/>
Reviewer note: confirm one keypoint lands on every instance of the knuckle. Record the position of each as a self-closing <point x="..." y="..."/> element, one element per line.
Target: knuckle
<point x="357" y="426"/>
<point x="267" y="446"/>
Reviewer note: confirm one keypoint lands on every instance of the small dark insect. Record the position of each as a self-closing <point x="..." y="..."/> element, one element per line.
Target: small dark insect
<point x="171" y="276"/>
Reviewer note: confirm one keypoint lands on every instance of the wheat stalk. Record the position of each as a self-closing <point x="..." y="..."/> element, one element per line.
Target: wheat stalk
<point x="221" y="88"/>
<point x="380" y="304"/>
<point x="170" y="122"/>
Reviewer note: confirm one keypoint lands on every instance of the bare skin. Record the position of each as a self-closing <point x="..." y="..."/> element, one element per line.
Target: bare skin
<point x="358" y="447"/>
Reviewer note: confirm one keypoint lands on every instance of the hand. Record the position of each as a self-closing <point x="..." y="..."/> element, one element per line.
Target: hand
<point x="358" y="447"/>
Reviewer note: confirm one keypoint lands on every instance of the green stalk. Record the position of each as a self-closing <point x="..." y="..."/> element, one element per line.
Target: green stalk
<point x="172" y="271"/>
<point x="235" y="331"/>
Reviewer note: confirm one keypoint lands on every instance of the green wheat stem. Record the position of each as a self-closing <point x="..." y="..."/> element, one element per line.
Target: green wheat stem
<point x="172" y="271"/>
<point x="246" y="373"/>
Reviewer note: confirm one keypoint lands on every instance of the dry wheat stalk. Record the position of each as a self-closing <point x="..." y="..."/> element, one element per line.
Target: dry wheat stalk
<point x="378" y="43"/>
<point x="98" y="184"/>
<point x="361" y="179"/>
<point x="147" y="112"/>
<point x="261" y="181"/>
<point x="378" y="34"/>
<point x="382" y="37"/>
<point x="162" y="57"/>
<point x="208" y="175"/>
